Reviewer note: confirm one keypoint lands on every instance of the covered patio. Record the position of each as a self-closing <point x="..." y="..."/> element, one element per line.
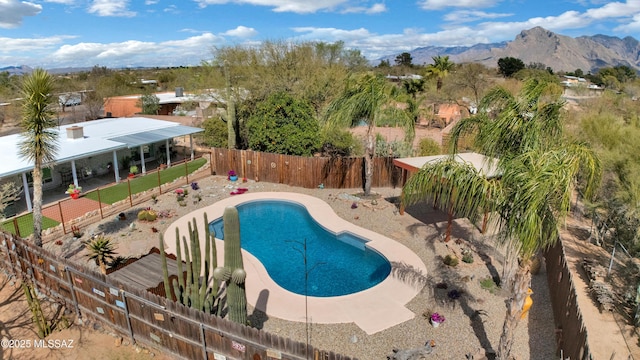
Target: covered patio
<point x="96" y="149"/>
<point x="486" y="166"/>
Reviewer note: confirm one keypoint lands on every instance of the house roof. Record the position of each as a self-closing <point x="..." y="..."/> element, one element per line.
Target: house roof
<point x="485" y="165"/>
<point x="99" y="137"/>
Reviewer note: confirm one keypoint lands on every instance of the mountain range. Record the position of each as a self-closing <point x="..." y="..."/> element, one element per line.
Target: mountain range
<point x="538" y="45"/>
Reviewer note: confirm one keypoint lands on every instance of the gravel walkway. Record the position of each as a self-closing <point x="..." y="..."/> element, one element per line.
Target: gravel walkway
<point x="473" y="320"/>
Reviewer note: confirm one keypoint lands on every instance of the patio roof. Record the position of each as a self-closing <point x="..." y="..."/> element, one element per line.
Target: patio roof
<point x="482" y="163"/>
<point x="99" y="137"/>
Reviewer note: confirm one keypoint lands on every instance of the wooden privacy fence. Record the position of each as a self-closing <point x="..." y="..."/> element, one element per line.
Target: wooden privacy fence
<point x="307" y="172"/>
<point x="111" y="199"/>
<point x="571" y="334"/>
<point x="144" y="317"/>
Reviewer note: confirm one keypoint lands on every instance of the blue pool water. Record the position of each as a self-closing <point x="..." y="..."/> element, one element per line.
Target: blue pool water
<point x="275" y="231"/>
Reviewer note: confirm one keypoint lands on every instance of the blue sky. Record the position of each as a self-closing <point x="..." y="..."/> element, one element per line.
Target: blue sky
<point x="117" y="33"/>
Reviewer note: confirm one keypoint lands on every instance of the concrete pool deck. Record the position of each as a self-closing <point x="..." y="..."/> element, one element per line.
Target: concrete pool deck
<point x="373" y="310"/>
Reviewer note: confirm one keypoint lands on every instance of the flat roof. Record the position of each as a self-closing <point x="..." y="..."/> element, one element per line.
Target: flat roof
<point x="485" y="165"/>
<point x="99" y="137"/>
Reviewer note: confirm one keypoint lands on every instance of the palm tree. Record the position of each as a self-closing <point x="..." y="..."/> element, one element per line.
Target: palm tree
<point x="369" y="98"/>
<point x="439" y="69"/>
<point x="39" y="143"/>
<point x="538" y="169"/>
<point x="101" y="250"/>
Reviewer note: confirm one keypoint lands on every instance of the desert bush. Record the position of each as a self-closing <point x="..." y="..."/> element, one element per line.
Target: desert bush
<point x="450" y="260"/>
<point x="428" y="146"/>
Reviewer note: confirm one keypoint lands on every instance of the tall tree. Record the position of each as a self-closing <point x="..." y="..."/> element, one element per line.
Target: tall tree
<point x="538" y="171"/>
<point x="439" y="69"/>
<point x="285" y="125"/>
<point x="369" y="98"/>
<point x="508" y="66"/>
<point x="404" y="59"/>
<point x="39" y="142"/>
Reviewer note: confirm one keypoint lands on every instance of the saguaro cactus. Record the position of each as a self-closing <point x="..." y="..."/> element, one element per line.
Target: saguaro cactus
<point x="233" y="273"/>
<point x="193" y="290"/>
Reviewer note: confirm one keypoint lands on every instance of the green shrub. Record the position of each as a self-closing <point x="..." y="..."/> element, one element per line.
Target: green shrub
<point x="142" y="215"/>
<point x="394" y="148"/>
<point x="215" y="133"/>
<point x="488" y="284"/>
<point x="284" y="124"/>
<point x="428" y="147"/>
<point x="340" y="142"/>
<point x="451" y="260"/>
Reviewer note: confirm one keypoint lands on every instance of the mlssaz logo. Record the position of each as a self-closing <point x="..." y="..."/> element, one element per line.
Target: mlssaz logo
<point x="53" y="344"/>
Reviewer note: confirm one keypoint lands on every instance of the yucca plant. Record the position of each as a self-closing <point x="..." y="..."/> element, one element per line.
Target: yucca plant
<point x="101" y="250"/>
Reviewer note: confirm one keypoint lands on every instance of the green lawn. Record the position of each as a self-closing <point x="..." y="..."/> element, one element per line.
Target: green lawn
<point x="112" y="194"/>
<point x="120" y="191"/>
<point x="25" y="225"/>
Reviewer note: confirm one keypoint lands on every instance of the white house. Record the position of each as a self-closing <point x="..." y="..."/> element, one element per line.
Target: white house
<point x="96" y="147"/>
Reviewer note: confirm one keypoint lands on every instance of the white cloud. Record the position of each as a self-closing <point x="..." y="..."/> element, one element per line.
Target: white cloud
<point x="133" y="52"/>
<point x="12" y="12"/>
<point x="11" y="45"/>
<point x="631" y="27"/>
<point x="614" y="10"/>
<point x="111" y="8"/>
<point x="64" y="2"/>
<point x="295" y="6"/>
<point x="172" y="9"/>
<point x="151" y="2"/>
<point x="242" y="32"/>
<point x="441" y="4"/>
<point x="464" y="16"/>
<point x="373" y="9"/>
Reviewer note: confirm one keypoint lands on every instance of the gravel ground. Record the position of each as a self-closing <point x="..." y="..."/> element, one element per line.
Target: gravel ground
<point x="473" y="320"/>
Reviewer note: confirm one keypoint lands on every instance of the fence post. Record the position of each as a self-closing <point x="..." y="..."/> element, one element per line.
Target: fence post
<point x="64" y="229"/>
<point x="203" y="341"/>
<point x="15" y="226"/>
<point x="100" y="204"/>
<point x="130" y="198"/>
<point x="186" y="171"/>
<point x="73" y="294"/>
<point x="159" y="182"/>
<point x="211" y="163"/>
<point x="6" y="246"/>
<point x="126" y="314"/>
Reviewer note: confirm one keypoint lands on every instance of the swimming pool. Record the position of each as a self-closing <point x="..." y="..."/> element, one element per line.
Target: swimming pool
<point x="276" y="231"/>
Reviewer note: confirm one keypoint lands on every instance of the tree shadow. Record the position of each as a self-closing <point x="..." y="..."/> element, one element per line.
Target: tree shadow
<point x="449" y="290"/>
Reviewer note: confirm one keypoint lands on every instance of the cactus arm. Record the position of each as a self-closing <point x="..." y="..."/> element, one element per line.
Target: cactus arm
<point x="189" y="281"/>
<point x="236" y="295"/>
<point x="180" y="269"/>
<point x="165" y="271"/>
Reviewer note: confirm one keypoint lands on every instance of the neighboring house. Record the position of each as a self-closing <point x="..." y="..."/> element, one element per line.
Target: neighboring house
<point x="403" y="77"/>
<point x="448" y="113"/>
<point x="94" y="148"/>
<point x="573" y="81"/>
<point x="171" y="103"/>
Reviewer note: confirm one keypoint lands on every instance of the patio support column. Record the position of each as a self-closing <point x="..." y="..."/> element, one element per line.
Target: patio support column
<point x="144" y="168"/>
<point x="191" y="145"/>
<point x="73" y="173"/>
<point x="25" y="187"/>
<point x="116" y="171"/>
<point x="168" y="152"/>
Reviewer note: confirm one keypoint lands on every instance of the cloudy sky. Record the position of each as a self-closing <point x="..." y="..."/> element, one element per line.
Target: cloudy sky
<point x="117" y="33"/>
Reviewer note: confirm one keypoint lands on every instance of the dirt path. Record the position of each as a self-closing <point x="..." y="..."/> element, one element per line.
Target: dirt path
<point x="88" y="342"/>
<point x="608" y="336"/>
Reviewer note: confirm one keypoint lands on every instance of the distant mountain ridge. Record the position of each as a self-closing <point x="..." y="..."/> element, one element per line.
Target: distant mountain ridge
<point x="538" y="45"/>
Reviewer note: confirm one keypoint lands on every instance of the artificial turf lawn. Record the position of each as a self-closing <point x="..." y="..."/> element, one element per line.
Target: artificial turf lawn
<point x="115" y="193"/>
<point x="111" y="194"/>
<point x="25" y="225"/>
